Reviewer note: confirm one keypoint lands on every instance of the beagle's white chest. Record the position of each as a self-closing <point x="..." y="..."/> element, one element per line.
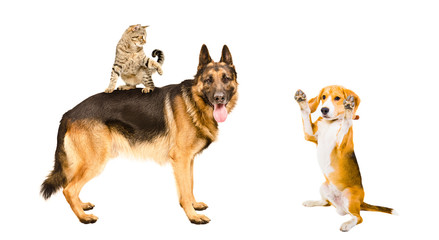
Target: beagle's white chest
<point x="326" y="141"/>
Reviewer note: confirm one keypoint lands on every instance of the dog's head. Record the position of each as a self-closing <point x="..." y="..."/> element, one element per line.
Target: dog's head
<point x="332" y="98"/>
<point x="215" y="82"/>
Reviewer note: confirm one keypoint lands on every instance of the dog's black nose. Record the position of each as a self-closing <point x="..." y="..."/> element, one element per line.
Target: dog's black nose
<point x="325" y="110"/>
<point x="219" y="97"/>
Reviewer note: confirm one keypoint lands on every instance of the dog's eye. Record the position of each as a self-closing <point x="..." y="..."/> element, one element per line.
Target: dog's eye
<point x="226" y="79"/>
<point x="324" y="97"/>
<point x="337" y="98"/>
<point x="208" y="80"/>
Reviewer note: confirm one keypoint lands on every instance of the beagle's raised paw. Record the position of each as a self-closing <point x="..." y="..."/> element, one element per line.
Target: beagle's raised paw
<point x="349" y="102"/>
<point x="300" y="96"/>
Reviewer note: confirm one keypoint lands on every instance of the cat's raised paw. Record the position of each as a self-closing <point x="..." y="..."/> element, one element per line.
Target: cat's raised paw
<point x="159" y="70"/>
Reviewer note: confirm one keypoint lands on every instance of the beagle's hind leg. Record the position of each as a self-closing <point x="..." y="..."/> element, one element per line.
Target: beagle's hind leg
<point x="353" y="197"/>
<point x="319" y="203"/>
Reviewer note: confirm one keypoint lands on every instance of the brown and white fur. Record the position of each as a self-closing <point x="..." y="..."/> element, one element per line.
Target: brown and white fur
<point x="131" y="63"/>
<point x="333" y="134"/>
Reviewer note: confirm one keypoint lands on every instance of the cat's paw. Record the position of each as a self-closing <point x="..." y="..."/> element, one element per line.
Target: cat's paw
<point x="109" y="90"/>
<point x="147" y="89"/>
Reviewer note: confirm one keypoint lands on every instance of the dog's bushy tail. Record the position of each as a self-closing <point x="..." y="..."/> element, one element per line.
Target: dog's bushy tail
<point x="56" y="179"/>
<point x="161" y="56"/>
<point x="368" y="207"/>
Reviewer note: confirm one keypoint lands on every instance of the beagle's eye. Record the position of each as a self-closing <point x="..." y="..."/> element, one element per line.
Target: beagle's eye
<point x="324" y="97"/>
<point x="337" y="98"/>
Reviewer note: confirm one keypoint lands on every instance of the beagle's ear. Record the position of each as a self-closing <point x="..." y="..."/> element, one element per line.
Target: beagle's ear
<point x="357" y="101"/>
<point x="314" y="102"/>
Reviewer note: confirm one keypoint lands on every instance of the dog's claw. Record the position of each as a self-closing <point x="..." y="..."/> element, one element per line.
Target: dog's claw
<point x="300" y="96"/>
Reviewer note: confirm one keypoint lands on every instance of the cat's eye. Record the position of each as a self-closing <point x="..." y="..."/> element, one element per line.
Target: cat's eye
<point x="337" y="98"/>
<point x="324" y="97"/>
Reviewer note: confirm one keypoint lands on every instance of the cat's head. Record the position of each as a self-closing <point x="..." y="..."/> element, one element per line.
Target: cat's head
<point x="137" y="34"/>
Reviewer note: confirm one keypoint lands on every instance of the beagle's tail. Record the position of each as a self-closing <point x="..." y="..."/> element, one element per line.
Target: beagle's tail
<point x="373" y="208"/>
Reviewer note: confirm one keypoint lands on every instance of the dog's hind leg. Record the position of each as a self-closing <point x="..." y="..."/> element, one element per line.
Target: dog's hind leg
<point x="87" y="150"/>
<point x="319" y="203"/>
<point x="71" y="193"/>
<point x="353" y="197"/>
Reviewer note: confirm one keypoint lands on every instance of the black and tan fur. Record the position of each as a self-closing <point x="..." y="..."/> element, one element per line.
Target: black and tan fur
<point x="170" y="125"/>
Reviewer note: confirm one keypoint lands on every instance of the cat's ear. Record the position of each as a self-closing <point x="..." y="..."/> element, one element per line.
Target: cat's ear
<point x="204" y="57"/>
<point x="226" y="57"/>
<point x="135" y="27"/>
<point x="145" y="26"/>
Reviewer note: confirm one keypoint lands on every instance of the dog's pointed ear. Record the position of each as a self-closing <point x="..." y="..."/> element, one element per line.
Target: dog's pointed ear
<point x="357" y="101"/>
<point x="204" y="57"/>
<point x="313" y="103"/>
<point x="226" y="57"/>
<point x="145" y="26"/>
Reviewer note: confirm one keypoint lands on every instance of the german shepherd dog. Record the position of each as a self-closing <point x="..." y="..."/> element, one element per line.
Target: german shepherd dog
<point x="170" y="125"/>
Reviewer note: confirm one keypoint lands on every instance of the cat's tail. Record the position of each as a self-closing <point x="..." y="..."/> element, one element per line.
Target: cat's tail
<point x="56" y="178"/>
<point x="161" y="56"/>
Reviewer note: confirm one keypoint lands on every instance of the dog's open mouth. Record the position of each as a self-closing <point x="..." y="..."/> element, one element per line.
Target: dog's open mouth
<point x="220" y="112"/>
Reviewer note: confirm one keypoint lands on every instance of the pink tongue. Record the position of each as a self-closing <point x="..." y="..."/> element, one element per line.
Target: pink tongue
<point x="220" y="112"/>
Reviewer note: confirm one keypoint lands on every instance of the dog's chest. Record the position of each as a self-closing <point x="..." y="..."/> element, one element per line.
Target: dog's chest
<point x="326" y="140"/>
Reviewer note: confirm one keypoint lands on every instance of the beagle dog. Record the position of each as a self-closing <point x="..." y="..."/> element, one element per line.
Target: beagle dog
<point x="332" y="132"/>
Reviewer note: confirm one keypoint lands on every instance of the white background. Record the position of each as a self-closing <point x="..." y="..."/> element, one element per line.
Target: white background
<point x="255" y="177"/>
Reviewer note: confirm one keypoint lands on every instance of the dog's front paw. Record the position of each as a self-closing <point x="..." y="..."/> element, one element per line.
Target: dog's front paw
<point x="349" y="102"/>
<point x="147" y="89"/>
<point x="88" y="218"/>
<point x="87" y="206"/>
<point x="199" y="206"/>
<point x="199" y="219"/>
<point x="300" y="96"/>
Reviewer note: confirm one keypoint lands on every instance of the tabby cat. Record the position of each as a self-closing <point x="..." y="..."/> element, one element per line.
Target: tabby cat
<point x="131" y="63"/>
